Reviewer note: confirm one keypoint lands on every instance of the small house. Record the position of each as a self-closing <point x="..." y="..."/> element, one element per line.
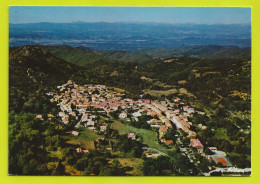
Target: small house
<point x="39" y="116"/>
<point x="103" y="128"/>
<point x="131" y="136"/>
<point x="169" y="142"/>
<point x="195" y="143"/>
<point x="123" y="115"/>
<point x="75" y="133"/>
<point x="136" y="114"/>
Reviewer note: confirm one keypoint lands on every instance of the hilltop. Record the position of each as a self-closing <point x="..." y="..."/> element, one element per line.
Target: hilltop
<point x="33" y="65"/>
<point x="84" y="56"/>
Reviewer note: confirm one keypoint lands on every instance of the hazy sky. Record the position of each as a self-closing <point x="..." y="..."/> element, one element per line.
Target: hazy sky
<point x="215" y="15"/>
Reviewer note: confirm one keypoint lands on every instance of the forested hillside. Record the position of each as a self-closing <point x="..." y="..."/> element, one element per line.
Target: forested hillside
<point x="220" y="87"/>
<point x="204" y="52"/>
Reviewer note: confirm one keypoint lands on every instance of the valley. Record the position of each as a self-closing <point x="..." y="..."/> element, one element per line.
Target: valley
<point x="79" y="111"/>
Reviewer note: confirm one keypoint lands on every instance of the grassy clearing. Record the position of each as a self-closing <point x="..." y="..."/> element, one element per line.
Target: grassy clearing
<point x="158" y="93"/>
<point x="86" y="134"/>
<point x="172" y="91"/>
<point x="149" y="136"/>
<point x="184" y="91"/>
<point x="85" y="144"/>
<point x="155" y="82"/>
<point x="85" y="139"/>
<point x="119" y="90"/>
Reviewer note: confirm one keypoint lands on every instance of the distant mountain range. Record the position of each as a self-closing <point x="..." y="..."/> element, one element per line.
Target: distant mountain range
<point x="129" y="37"/>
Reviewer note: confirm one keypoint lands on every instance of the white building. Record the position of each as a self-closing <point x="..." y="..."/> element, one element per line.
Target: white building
<point x="123" y="115"/>
<point x="136" y="114"/>
<point x="75" y="133"/>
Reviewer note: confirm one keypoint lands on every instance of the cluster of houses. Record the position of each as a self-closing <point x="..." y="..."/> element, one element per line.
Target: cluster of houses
<point x="79" y="101"/>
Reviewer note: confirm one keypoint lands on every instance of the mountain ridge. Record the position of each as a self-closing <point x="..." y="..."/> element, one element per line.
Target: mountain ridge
<point x="128" y="36"/>
<point x="87" y="55"/>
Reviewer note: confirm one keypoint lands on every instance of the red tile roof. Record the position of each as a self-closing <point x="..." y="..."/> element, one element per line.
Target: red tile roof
<point x="163" y="128"/>
<point x="222" y="161"/>
<point x="196" y="143"/>
<point x="168" y="141"/>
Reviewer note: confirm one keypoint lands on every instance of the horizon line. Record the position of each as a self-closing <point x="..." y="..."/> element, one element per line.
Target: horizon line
<point x="132" y="22"/>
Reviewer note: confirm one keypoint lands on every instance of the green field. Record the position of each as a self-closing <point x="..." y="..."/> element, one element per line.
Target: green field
<point x="159" y="93"/>
<point x="149" y="136"/>
<point x="86" y="138"/>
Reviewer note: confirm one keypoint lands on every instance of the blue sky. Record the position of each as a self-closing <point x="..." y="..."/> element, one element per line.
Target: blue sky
<point x="174" y="15"/>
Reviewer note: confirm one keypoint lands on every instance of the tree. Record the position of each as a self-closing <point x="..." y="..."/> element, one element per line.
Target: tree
<point x="81" y="164"/>
<point x="204" y="165"/>
<point x="227" y="146"/>
<point x="116" y="169"/>
<point x="59" y="170"/>
<point x="170" y="134"/>
<point x="208" y="151"/>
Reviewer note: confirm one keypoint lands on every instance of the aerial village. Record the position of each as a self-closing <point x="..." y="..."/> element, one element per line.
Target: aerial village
<point x="76" y="101"/>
